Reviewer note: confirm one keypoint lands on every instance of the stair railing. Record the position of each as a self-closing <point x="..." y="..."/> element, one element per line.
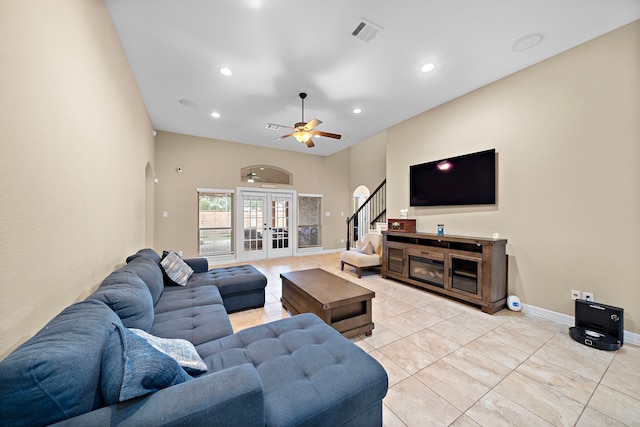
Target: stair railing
<point x="373" y="210"/>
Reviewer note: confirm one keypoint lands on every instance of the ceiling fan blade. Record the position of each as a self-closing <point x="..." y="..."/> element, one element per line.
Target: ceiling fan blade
<point x="313" y="123"/>
<point x="310" y="143"/>
<point x="283" y="137"/>
<point x="327" y="134"/>
<point x="275" y="126"/>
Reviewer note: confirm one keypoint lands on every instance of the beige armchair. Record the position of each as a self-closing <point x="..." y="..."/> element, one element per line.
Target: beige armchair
<point x="367" y="253"/>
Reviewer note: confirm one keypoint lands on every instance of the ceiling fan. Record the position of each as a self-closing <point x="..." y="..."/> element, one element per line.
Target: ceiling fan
<point x="304" y="131"/>
<point x="252" y="176"/>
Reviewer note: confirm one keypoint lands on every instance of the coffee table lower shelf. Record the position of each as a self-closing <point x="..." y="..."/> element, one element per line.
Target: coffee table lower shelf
<point x="348" y="311"/>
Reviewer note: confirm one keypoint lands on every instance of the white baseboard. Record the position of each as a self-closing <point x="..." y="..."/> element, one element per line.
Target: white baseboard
<point x="565" y="319"/>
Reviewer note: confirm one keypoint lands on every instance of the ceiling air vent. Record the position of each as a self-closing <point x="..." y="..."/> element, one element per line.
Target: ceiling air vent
<point x="366" y="30"/>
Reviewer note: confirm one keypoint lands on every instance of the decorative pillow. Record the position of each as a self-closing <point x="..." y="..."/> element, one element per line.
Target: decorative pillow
<point x="177" y="270"/>
<point x="131" y="367"/>
<point x="182" y="351"/>
<point x="364" y="247"/>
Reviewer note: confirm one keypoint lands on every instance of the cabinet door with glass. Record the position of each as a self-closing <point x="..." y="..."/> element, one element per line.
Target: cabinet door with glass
<point x="395" y="259"/>
<point x="465" y="275"/>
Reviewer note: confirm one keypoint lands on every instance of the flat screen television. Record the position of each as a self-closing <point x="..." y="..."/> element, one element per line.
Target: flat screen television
<point x="464" y="180"/>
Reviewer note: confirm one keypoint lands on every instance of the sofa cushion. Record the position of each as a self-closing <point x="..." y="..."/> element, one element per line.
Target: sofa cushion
<point x="231" y="280"/>
<point x="197" y="324"/>
<point x="150" y="273"/>
<point x="131" y="367"/>
<point x="241" y="286"/>
<point x="182" y="351"/>
<point x="55" y="375"/>
<point x="176" y="298"/>
<point x="311" y="374"/>
<point x="126" y="293"/>
<point x="358" y="259"/>
<point x="147" y="253"/>
<point x="192" y="313"/>
<point x="177" y="270"/>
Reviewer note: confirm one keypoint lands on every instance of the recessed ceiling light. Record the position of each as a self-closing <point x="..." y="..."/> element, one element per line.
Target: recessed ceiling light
<point x="225" y="71"/>
<point x="357" y="111"/>
<point x="428" y="67"/>
<point x="215" y="115"/>
<point x="527" y="42"/>
<point x="187" y="103"/>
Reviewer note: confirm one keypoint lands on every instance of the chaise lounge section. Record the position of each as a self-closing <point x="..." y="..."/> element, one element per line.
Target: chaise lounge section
<point x="92" y="365"/>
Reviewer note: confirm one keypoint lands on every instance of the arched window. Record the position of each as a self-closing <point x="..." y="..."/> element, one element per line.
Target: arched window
<point x="266" y="174"/>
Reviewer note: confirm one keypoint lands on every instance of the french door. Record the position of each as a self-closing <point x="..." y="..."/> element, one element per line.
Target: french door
<point x="266" y="219"/>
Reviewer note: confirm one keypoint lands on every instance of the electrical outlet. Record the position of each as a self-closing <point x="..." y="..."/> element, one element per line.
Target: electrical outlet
<point x="575" y="294"/>
<point x="588" y="296"/>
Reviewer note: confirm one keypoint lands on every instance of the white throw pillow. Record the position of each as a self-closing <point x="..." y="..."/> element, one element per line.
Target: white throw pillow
<point x="182" y="351"/>
<point x="365" y="247"/>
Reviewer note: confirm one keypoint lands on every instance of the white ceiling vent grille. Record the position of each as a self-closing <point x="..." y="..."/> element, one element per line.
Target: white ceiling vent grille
<point x="366" y="30"/>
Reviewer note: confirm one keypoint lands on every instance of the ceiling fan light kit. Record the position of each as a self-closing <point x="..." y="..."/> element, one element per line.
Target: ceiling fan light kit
<point x="304" y="131"/>
<point x="302" y="136"/>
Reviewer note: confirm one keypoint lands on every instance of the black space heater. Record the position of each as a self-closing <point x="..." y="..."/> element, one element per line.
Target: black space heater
<point x="598" y="325"/>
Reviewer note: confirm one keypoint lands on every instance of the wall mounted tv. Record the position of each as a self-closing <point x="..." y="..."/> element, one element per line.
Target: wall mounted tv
<point x="464" y="180"/>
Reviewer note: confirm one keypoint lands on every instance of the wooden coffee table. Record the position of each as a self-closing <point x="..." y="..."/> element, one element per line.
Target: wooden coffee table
<point x="341" y="304"/>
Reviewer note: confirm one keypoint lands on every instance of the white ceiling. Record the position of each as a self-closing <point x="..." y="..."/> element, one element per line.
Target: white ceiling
<point x="278" y="48"/>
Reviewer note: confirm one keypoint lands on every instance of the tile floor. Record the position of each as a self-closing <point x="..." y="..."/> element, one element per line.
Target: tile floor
<point x="449" y="364"/>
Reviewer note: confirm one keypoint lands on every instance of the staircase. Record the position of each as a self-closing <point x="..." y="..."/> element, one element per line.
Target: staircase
<point x="373" y="210"/>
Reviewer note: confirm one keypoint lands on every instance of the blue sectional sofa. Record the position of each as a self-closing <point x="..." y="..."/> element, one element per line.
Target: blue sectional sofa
<point x="97" y="362"/>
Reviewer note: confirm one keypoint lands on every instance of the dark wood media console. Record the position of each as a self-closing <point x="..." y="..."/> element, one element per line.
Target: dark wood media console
<point x="472" y="269"/>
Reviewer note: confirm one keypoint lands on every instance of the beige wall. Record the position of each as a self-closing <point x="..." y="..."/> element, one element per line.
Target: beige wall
<point x="567" y="131"/>
<point x="368" y="161"/>
<point x="209" y="163"/>
<point x="75" y="141"/>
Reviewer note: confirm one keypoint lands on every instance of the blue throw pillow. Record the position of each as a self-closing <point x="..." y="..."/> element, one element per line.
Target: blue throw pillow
<point x="131" y="367"/>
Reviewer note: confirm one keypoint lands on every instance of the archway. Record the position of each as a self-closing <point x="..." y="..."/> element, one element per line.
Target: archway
<point x="361" y="220"/>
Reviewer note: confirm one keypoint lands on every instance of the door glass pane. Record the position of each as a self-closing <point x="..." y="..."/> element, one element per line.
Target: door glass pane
<point x="279" y="223"/>
<point x="309" y="226"/>
<point x="215" y="223"/>
<point x="253" y="221"/>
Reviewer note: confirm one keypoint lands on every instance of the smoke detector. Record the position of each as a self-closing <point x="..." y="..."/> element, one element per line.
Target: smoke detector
<point x="365" y="30"/>
<point x="527" y="42"/>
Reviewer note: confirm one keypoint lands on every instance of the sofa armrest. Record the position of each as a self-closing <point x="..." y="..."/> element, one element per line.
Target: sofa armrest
<point x="198" y="265"/>
<point x="232" y="397"/>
